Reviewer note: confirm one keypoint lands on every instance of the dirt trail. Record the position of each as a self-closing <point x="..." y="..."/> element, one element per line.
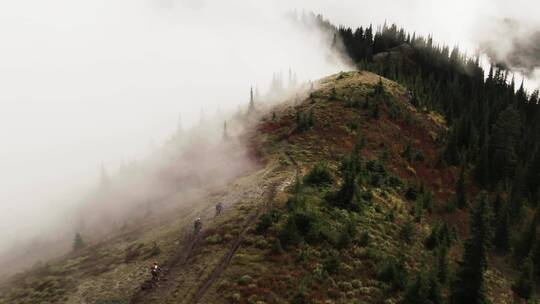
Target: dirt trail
<point x="261" y="189"/>
<point x="226" y="259"/>
<point x="270" y="194"/>
<point x="176" y="261"/>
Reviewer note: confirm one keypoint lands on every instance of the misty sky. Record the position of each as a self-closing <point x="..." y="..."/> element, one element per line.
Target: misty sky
<point x="90" y="82"/>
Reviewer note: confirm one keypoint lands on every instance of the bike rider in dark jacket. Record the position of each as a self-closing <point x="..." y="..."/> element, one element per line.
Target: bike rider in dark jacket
<point x="155" y="270"/>
<point x="219" y="209"/>
<point x="197" y="225"/>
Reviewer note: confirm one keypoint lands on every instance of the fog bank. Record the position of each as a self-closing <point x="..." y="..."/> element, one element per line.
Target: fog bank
<point x="91" y="83"/>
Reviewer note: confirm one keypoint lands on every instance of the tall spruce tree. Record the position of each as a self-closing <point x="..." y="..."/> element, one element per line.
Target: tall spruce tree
<point x="461" y="195"/>
<point x="525" y="285"/>
<point x="506" y="132"/>
<point x="225" y="131"/>
<point x="78" y="242"/>
<point x="251" y="101"/>
<point x="468" y="287"/>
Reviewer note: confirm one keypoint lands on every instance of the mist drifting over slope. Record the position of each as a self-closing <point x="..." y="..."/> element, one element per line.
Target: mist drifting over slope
<point x="85" y="83"/>
<point x="102" y="81"/>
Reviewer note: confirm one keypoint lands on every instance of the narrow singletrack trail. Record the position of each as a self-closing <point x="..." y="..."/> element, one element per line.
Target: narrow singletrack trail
<point x="173" y="288"/>
<point x="269" y="196"/>
<point x="178" y="260"/>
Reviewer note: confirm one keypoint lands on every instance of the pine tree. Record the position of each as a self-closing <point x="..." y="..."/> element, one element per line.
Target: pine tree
<point x="468" y="286"/>
<point x="345" y="195"/>
<point x="461" y="198"/>
<point x="525" y="285"/>
<point x="526" y="240"/>
<point x="78" y="242"/>
<point x="506" y="132"/>
<point x="104" y="180"/>
<point x="425" y="289"/>
<point x="225" y="132"/>
<point x="251" y="101"/>
<point x="482" y="168"/>
<point x="442" y="264"/>
<point x="379" y="88"/>
<point x="535" y="256"/>
<point x="502" y="232"/>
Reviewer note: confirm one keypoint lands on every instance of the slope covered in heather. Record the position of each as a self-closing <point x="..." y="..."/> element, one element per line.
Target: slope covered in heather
<point x="350" y="203"/>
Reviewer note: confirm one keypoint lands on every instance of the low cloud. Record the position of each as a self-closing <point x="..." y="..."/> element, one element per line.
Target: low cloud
<point x="513" y="44"/>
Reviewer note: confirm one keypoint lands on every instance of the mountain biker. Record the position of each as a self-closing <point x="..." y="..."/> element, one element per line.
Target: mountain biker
<point x="219" y="208"/>
<point x="155" y="270"/>
<point x="197" y="225"/>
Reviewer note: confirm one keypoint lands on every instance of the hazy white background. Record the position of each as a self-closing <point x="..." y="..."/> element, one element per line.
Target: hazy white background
<point x="90" y="82"/>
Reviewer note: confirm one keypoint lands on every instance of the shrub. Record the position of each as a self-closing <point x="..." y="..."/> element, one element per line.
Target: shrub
<point x="364" y="239"/>
<point x="304" y="121"/>
<point x="332" y="263"/>
<point x="303" y="254"/>
<point x="276" y="247"/>
<point x="344" y="239"/>
<point x="245" y="279"/>
<point x="155" y="251"/>
<point x="299" y="297"/>
<point x="333" y="93"/>
<point x="407" y="232"/>
<point x="214" y="239"/>
<point x="411" y="193"/>
<point x="319" y="273"/>
<point x="393" y="272"/>
<point x="419" y="157"/>
<point x="353" y="125"/>
<point x="304" y="222"/>
<point x="319" y="175"/>
<point x="266" y="221"/>
<point x="111" y="301"/>
<point x="289" y="234"/>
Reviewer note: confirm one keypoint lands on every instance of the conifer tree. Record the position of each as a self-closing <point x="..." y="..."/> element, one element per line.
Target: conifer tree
<point x="251" y="101"/>
<point x="506" y="132"/>
<point x="104" y="180"/>
<point x="535" y="256"/>
<point x="468" y="286"/>
<point x="461" y="196"/>
<point x="425" y="289"/>
<point x="502" y="232"/>
<point x="525" y="285"/>
<point x="442" y="264"/>
<point x="78" y="242"/>
<point x="526" y="240"/>
<point x="225" y="132"/>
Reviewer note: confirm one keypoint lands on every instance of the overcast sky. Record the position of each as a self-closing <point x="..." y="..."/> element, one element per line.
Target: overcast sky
<point x="90" y="82"/>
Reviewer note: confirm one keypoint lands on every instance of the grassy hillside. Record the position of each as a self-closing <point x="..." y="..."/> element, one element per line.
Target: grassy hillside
<point x="299" y="228"/>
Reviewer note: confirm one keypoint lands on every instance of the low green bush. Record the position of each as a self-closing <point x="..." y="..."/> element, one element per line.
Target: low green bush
<point x="332" y="262"/>
<point x="319" y="175"/>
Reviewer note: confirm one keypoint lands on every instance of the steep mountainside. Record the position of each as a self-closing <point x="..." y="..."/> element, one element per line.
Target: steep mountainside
<point x="351" y="203"/>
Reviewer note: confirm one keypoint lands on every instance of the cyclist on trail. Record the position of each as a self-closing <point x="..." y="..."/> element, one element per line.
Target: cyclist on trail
<point x="219" y="209"/>
<point x="155" y="270"/>
<point x="197" y="225"/>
